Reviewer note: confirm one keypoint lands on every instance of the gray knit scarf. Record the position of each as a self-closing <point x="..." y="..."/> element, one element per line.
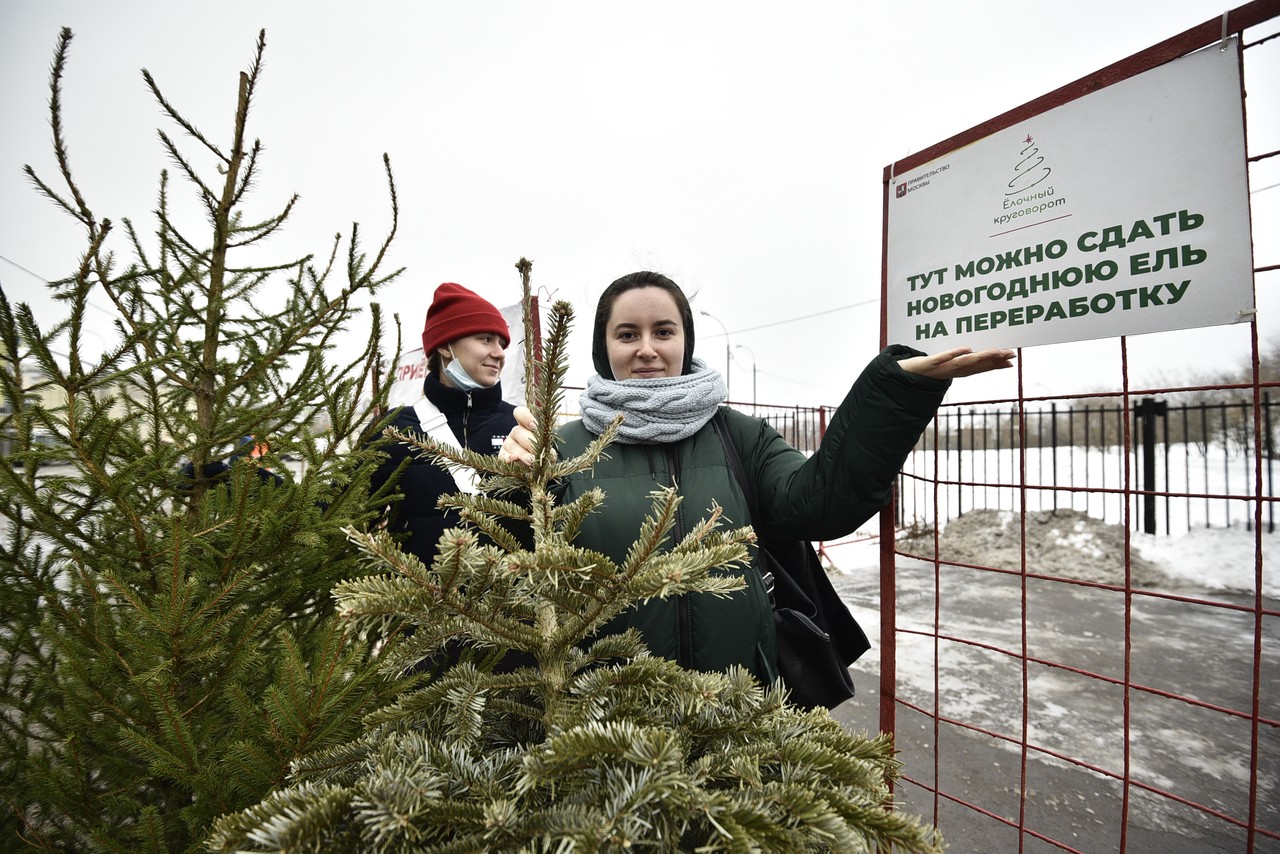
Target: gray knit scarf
<point x="666" y="409"/>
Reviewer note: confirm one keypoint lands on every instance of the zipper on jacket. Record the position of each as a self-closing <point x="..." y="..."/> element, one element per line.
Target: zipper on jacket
<point x="466" y="417"/>
<point x="684" y="612"/>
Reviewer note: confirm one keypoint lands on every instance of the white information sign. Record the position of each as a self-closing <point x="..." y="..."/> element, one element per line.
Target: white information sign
<point x="1121" y="212"/>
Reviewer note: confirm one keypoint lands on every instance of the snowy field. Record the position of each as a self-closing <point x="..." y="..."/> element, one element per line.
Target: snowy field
<point x="1212" y="488"/>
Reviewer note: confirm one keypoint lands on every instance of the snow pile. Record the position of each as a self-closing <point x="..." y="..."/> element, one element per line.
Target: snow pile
<point x="1071" y="544"/>
<point x="1219" y="559"/>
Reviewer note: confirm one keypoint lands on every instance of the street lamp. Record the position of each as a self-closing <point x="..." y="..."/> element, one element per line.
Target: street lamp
<point x="727" y="354"/>
<point x="753" y="371"/>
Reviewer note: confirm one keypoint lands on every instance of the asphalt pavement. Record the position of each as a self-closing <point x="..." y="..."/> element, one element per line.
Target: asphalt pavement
<point x="1200" y="754"/>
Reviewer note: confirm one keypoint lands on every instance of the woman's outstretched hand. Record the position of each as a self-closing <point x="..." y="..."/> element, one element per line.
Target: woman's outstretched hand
<point x="519" y="442"/>
<point x="960" y="362"/>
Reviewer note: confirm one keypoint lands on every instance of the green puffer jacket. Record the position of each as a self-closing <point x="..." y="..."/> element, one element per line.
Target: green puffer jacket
<point x="822" y="497"/>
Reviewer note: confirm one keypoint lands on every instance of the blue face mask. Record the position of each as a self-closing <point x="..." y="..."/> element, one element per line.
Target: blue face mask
<point x="460" y="378"/>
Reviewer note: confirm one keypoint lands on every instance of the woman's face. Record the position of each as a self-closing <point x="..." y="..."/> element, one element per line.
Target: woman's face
<point x="481" y="356"/>
<point x="644" y="336"/>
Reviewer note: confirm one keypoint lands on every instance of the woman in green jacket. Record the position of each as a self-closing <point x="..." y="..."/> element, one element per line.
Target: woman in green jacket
<point x="642" y="349"/>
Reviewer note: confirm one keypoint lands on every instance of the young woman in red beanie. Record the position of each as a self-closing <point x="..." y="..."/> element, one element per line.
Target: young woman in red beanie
<point x="465" y="339"/>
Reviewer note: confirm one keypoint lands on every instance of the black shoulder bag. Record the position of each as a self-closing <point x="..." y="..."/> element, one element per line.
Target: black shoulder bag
<point x="817" y="636"/>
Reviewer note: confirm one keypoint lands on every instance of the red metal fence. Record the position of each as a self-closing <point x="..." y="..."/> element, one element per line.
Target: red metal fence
<point x="1101" y="705"/>
<point x="1114" y="695"/>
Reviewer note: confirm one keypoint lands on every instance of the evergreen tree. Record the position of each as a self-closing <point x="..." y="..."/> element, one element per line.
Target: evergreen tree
<point x="169" y="640"/>
<point x="599" y="746"/>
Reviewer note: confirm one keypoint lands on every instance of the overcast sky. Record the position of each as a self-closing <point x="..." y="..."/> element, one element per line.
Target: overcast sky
<point x="735" y="146"/>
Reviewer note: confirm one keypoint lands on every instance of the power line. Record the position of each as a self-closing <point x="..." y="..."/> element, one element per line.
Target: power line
<point x="30" y="272"/>
<point x="34" y="274"/>
<point x="822" y="313"/>
<point x="791" y="380"/>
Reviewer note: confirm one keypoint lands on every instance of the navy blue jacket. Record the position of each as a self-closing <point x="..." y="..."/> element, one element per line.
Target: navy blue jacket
<point x="480" y="420"/>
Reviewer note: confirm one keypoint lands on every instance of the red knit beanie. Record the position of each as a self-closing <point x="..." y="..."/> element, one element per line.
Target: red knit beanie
<point x="455" y="313"/>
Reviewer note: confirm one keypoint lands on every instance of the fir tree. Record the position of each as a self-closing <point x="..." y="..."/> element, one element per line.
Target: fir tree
<point x="169" y="641"/>
<point x="600" y="746"/>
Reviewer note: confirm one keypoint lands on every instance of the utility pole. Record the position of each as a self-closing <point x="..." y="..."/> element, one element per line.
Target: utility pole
<point x="727" y="355"/>
<point x="753" y="370"/>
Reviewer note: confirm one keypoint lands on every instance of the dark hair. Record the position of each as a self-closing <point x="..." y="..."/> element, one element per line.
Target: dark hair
<point x="604" y="308"/>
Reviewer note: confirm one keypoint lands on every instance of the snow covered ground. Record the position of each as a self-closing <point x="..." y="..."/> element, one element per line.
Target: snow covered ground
<point x="1196" y="488"/>
<point x="1178" y="646"/>
<point x="1215" y="558"/>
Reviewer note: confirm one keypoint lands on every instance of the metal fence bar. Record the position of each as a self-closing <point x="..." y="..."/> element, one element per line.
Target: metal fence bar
<point x="1185" y="464"/>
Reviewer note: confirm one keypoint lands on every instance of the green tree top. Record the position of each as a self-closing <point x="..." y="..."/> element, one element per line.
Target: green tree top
<point x="169" y="643"/>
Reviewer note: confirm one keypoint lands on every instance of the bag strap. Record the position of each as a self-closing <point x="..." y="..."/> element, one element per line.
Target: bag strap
<point x="720" y="425"/>
<point x="803" y="585"/>
<point x="735" y="460"/>
<point x="433" y="423"/>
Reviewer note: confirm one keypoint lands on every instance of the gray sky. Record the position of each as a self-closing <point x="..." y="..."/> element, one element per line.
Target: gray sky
<point x="736" y="146"/>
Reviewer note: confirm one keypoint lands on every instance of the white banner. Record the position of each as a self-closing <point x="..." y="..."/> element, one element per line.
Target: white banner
<point x="1121" y="212"/>
<point x="411" y="370"/>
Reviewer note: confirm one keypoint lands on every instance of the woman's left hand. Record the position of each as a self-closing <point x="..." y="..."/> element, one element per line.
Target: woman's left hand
<point x="960" y="362"/>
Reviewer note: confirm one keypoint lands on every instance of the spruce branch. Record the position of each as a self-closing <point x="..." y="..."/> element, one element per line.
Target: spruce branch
<point x="250" y="172"/>
<point x="525" y="268"/>
<point x="261" y="231"/>
<point x="207" y="195"/>
<point x="53" y="195"/>
<point x="81" y="210"/>
<point x="391" y="232"/>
